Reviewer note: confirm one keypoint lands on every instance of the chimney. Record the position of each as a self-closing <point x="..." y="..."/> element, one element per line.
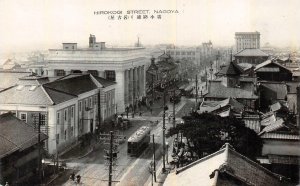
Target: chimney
<point x="298" y="105"/>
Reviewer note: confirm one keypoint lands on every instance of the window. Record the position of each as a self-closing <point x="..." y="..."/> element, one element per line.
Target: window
<point x="60" y="72"/>
<point x="80" y="106"/>
<point x="72" y="112"/>
<point x="90" y="102"/>
<point x="86" y="103"/>
<point x="65" y="115"/>
<point x="23" y="117"/>
<point x="43" y="119"/>
<point x="57" y="118"/>
<point x="177" y="53"/>
<point x="182" y="53"/>
<point x="110" y="75"/>
<point x="95" y="99"/>
<point x="57" y="138"/>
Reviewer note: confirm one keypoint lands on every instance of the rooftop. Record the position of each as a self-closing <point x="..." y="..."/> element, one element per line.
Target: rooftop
<point x="251" y="52"/>
<point x="218" y="90"/>
<point x="16" y="135"/>
<point x="225" y="162"/>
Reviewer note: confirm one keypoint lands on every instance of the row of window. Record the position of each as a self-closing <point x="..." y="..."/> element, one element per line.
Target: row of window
<point x="87" y="103"/>
<point x="65" y="115"/>
<point x="182" y="53"/>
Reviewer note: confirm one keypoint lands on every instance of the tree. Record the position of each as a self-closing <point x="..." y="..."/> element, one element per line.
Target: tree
<point x="209" y="132"/>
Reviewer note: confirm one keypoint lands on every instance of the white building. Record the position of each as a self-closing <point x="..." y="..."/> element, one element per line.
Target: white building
<point x="68" y="107"/>
<point x="245" y="40"/>
<point x="125" y="66"/>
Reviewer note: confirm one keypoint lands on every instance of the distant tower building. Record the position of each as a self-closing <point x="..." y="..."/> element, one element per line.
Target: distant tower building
<point x="247" y="40"/>
<point x="92" y="40"/>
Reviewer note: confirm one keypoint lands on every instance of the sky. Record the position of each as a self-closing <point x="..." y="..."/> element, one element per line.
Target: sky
<point x="43" y="24"/>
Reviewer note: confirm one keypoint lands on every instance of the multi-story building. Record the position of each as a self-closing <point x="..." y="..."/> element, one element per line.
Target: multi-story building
<point x="191" y="54"/>
<point x="126" y="66"/>
<point x="194" y="54"/>
<point x="67" y="108"/>
<point x="245" y="40"/>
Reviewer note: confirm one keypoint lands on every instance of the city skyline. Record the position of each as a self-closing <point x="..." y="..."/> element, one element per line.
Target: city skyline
<point x="41" y="25"/>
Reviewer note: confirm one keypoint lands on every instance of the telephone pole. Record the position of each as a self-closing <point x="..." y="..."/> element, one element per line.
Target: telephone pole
<point x="174" y="107"/>
<point x="39" y="146"/>
<point x="164" y="130"/>
<point x="110" y="158"/>
<point x="111" y="154"/>
<point x="196" y="92"/>
<point x="154" y="164"/>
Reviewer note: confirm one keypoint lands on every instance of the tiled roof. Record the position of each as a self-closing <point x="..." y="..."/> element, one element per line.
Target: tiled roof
<point x="251" y="52"/>
<point x="231" y="69"/>
<point x="267" y="62"/>
<point x="235" y="105"/>
<point x="282" y="136"/>
<point x="16" y="135"/>
<point x="275" y="107"/>
<point x="23" y="95"/>
<point x="218" y="90"/>
<point x="268" y="120"/>
<point x="273" y="126"/>
<point x="245" y="66"/>
<point x="10" y="78"/>
<point x="104" y="82"/>
<point x="226" y="161"/>
<point x="71" y="85"/>
<point x="58" y="96"/>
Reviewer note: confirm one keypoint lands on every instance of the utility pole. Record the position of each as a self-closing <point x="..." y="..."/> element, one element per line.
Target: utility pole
<point x="110" y="158"/>
<point x="154" y="164"/>
<point x="196" y="92"/>
<point x="110" y="140"/>
<point x="39" y="146"/>
<point x="174" y="107"/>
<point x="99" y="109"/>
<point x="164" y="130"/>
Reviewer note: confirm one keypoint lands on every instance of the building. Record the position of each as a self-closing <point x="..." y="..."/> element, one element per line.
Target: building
<point x="270" y="70"/>
<point x="190" y="54"/>
<point x="126" y="66"/>
<point x="245" y="40"/>
<point x="19" y="150"/>
<point x="251" y="55"/>
<point x="69" y="107"/>
<point x="231" y="84"/>
<point x="280" y="152"/>
<point x="195" y="54"/>
<point x="224" y="167"/>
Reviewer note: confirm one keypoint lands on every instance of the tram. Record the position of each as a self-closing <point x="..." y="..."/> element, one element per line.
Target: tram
<point x="138" y="141"/>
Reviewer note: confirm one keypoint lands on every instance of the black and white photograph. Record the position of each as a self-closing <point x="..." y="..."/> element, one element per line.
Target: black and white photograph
<point x="149" y="93"/>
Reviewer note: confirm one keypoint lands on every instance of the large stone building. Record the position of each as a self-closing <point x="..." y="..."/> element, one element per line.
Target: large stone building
<point x="194" y="54"/>
<point x="245" y="40"/>
<point x="68" y="107"/>
<point x="126" y="66"/>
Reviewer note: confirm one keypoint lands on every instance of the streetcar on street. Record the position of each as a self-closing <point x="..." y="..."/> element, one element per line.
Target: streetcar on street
<point x="138" y="141"/>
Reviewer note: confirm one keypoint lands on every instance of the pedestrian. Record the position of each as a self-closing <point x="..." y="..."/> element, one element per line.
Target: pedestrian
<point x="6" y="184"/>
<point x="140" y="113"/>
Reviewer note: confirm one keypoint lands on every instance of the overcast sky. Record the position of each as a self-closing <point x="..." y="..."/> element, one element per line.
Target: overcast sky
<point x="40" y="24"/>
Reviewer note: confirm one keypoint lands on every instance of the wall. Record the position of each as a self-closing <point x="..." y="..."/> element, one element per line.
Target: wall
<point x="281" y="147"/>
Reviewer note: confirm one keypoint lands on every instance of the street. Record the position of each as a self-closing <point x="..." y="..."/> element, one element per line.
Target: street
<point x="93" y="168"/>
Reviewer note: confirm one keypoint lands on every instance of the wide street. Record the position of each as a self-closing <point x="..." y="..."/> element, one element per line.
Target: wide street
<point x="93" y="168"/>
